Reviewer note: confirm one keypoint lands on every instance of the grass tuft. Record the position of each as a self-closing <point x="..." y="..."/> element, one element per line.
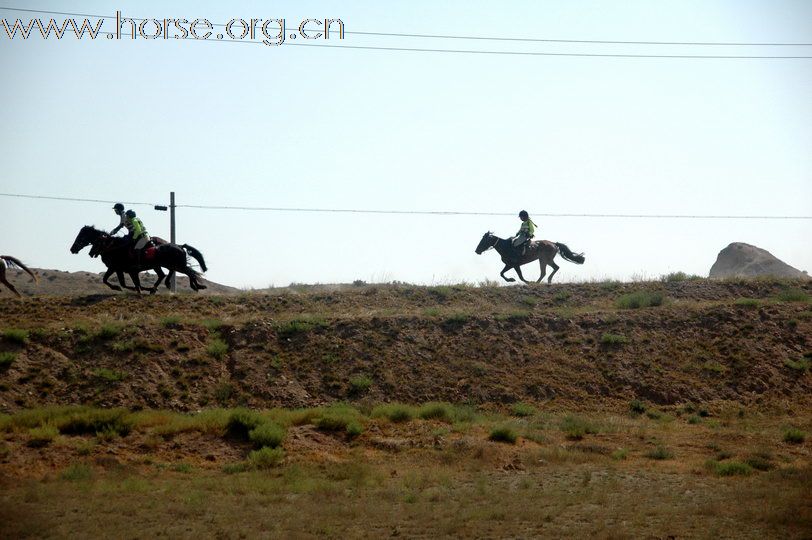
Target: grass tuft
<point x="613" y="339"/>
<point x="523" y="410"/>
<point x="794" y="436"/>
<point x="268" y="434"/>
<point x="16" y="335"/>
<point x="575" y="427"/>
<point x="6" y="359"/>
<point x="394" y="412"/>
<point x="359" y="385"/>
<point x="217" y="348"/>
<point x="503" y="434"/>
<point x="640" y="299"/>
<point x="659" y="453"/>
<point x="41" y="436"/>
<point x="792" y="295"/>
<point x="76" y="473"/>
<point x="266" y="458"/>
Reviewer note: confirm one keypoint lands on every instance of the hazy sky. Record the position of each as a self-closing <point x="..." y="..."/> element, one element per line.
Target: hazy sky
<point x="243" y="124"/>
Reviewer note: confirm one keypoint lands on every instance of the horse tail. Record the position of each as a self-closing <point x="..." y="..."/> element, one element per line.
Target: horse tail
<point x="197" y="256"/>
<point x="16" y="263"/>
<point x="577" y="258"/>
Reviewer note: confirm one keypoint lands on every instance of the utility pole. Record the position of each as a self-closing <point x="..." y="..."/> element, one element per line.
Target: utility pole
<point x="172" y="230"/>
<point x="163" y="208"/>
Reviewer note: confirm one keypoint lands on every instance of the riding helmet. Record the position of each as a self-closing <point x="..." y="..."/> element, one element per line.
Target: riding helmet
<point x="523" y="213"/>
<point x="130" y="213"/>
<point x="119" y="207"/>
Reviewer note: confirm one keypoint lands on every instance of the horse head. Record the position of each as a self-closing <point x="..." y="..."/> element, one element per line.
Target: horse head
<point x="87" y="235"/>
<point x="487" y="242"/>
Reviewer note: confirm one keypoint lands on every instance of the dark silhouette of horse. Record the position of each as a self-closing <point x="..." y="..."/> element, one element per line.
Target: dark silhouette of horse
<point x="543" y="250"/>
<point x="11" y="262"/>
<point x="117" y="254"/>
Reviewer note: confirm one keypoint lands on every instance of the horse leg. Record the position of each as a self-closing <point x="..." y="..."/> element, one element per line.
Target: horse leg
<point x="543" y="266"/>
<point x="168" y="280"/>
<point x="555" y="269"/>
<point x="502" y="273"/>
<point x="160" y="273"/>
<point x="519" y="271"/>
<point x="107" y="277"/>
<point x="5" y="281"/>
<point x="136" y="281"/>
<point x="122" y="281"/>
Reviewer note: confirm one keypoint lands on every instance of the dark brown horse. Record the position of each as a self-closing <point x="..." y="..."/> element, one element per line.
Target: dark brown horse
<point x="543" y="250"/>
<point x="7" y="261"/>
<point x="116" y="253"/>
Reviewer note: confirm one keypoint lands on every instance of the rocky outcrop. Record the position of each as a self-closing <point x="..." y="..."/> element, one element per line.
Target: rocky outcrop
<point x="743" y="260"/>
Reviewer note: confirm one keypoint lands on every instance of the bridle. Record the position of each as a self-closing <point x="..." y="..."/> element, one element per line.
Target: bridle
<point x="495" y="241"/>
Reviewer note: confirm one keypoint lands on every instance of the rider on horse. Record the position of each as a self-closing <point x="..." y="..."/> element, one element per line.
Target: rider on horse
<point x="526" y="232"/>
<point x="137" y="232"/>
<point x="118" y="208"/>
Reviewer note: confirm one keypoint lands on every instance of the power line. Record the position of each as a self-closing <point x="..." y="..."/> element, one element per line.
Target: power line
<point x="411" y="212"/>
<point x="480" y="38"/>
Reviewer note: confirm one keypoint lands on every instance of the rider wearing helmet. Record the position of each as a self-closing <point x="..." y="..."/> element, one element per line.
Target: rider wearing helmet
<point x="526" y="232"/>
<point x="138" y="232"/>
<point x="118" y="208"/>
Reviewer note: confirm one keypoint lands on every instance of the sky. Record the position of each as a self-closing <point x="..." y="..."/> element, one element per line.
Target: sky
<point x="240" y="124"/>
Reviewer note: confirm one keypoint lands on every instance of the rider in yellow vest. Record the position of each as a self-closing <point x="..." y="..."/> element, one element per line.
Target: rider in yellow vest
<point x="138" y="232"/>
<point x="526" y="232"/>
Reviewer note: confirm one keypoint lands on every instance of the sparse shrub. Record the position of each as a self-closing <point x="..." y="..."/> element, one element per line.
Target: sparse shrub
<point x="576" y="427"/>
<point x="801" y="365"/>
<point x="431" y="312"/>
<point x="109" y="331"/>
<point x="223" y="392"/>
<point x="336" y="417"/>
<point x="354" y="429"/>
<point x="457" y="318"/>
<point x="267" y="434"/>
<point x="714" y="367"/>
<point x="16" y="335"/>
<point x="561" y="296"/>
<point x="748" y="302"/>
<point x="395" y="412"/>
<point x="794" y="436"/>
<point x="185" y="468"/>
<point x="694" y="419"/>
<point x="437" y="411"/>
<point x="793" y="295"/>
<point x="523" y="409"/>
<point x="503" y="434"/>
<point x="83" y="420"/>
<point x="301" y="325"/>
<point x="761" y="461"/>
<point x="613" y="339"/>
<point x="241" y="422"/>
<point x="620" y="454"/>
<point x="6" y="359"/>
<point x="360" y="384"/>
<point x="76" y="472"/>
<point x="441" y="293"/>
<point x="212" y="325"/>
<point x="637" y="407"/>
<point x="513" y="316"/>
<point x="729" y="468"/>
<point x="528" y="301"/>
<point x="640" y="299"/>
<point x="171" y="321"/>
<point x="108" y="374"/>
<point x="234" y="468"/>
<point x="124" y="346"/>
<point x="659" y="453"/>
<point x="41" y="436"/>
<point x="217" y="348"/>
<point x="266" y="458"/>
<point x="675" y="277"/>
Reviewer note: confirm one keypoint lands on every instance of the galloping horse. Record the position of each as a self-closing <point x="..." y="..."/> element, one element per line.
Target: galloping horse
<point x="543" y="250"/>
<point x="7" y="261"/>
<point x="117" y="256"/>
